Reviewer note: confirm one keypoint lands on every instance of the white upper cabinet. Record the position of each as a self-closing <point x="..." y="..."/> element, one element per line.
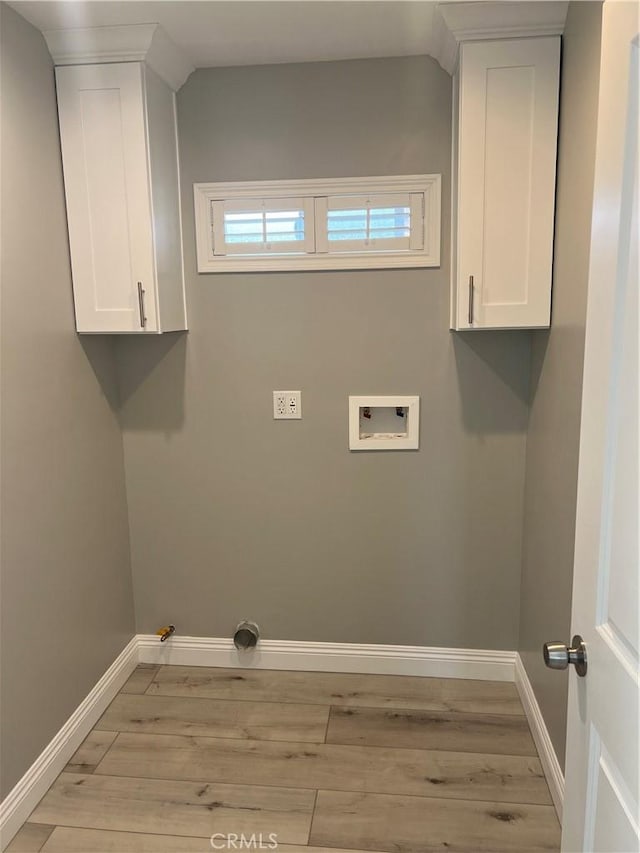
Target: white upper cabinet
<point x="506" y="112"/>
<point x="119" y="152"/>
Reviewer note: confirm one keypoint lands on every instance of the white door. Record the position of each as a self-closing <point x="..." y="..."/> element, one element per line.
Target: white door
<point x="601" y="793"/>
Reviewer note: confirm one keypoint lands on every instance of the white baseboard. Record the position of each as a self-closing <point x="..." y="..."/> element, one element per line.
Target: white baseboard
<point x="20" y="802"/>
<point x="331" y="657"/>
<point x="547" y="753"/>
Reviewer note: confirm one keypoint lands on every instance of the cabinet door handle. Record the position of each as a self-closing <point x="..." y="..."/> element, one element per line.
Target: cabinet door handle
<point x="471" y="300"/>
<point x="143" y="319"/>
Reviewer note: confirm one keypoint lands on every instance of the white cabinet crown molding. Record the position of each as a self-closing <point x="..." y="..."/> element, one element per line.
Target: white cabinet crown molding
<point x="444" y="47"/>
<point x="134" y="43"/>
<point x="477" y="21"/>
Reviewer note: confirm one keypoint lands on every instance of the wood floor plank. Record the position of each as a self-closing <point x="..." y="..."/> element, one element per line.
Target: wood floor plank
<point x="29" y="838"/>
<point x="140" y="678"/>
<point x="91" y="751"/>
<point x="294" y="848"/>
<point x="72" y="840"/>
<point x="347" y="768"/>
<point x="183" y="715"/>
<point x="322" y="688"/>
<point x="67" y="839"/>
<point x="422" y="825"/>
<point x="490" y="733"/>
<point x="175" y="808"/>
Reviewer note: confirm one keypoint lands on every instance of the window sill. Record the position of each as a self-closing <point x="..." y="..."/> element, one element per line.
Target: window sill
<point x="307" y="263"/>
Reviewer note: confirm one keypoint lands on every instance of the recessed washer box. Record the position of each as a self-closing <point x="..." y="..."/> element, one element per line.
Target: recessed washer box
<point x="384" y="423"/>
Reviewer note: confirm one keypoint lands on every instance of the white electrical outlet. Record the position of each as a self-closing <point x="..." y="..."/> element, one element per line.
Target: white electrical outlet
<point x="287" y="405"/>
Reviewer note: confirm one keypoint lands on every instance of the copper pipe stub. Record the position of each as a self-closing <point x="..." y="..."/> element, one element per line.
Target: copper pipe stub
<point x="165" y="632"/>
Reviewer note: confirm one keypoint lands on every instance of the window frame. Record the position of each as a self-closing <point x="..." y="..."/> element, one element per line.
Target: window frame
<point x="313" y="192"/>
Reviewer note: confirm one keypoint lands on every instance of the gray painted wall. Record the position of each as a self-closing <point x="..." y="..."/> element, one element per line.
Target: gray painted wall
<point x="557" y="356"/>
<point x="66" y="580"/>
<point x="234" y="515"/>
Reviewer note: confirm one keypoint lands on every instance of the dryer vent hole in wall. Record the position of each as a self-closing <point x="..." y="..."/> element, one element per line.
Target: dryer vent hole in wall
<point x="246" y="636"/>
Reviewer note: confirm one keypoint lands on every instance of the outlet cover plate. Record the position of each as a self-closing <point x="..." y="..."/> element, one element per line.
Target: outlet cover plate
<point x="287" y="405"/>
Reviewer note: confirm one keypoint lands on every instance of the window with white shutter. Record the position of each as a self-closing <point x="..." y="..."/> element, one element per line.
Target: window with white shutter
<point x="262" y="226"/>
<point x="382" y="222"/>
<point x="346" y="223"/>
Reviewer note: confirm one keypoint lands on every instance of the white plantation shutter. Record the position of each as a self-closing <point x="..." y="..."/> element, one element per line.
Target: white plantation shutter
<point x="262" y="226"/>
<point x="380" y="222"/>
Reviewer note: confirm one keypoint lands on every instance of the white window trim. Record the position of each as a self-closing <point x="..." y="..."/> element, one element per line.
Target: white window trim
<point x="429" y="256"/>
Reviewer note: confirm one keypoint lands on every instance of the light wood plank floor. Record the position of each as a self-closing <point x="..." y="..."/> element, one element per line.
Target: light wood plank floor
<point x="320" y="762"/>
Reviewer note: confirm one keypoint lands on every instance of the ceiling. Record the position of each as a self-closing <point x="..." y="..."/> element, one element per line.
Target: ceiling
<point x="254" y="32"/>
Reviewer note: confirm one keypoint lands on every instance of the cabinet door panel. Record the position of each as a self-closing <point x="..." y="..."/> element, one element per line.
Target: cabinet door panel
<point x="510" y="99"/>
<point x="104" y="150"/>
<point x="506" y="181"/>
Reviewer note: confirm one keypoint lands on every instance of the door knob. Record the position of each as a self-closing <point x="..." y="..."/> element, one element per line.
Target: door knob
<point x="558" y="656"/>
